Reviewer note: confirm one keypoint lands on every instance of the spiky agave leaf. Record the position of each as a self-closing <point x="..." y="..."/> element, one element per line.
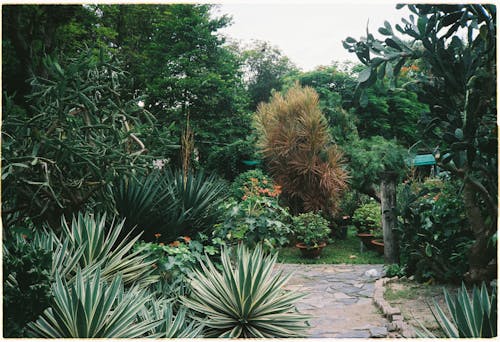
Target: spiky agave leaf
<point x="246" y="300"/>
<point x="92" y="308"/>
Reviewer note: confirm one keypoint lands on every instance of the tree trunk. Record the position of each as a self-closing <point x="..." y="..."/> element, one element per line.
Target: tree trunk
<point x="388" y="201"/>
<point x="482" y="261"/>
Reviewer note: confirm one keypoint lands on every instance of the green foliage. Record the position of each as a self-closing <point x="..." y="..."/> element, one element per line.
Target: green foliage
<point x="394" y="270"/>
<point x="456" y="45"/>
<point x="73" y="141"/>
<point x="368" y="217"/>
<point x="26" y="279"/>
<point x="245" y="300"/>
<point x="139" y="200"/>
<point x="311" y="229"/>
<point x="266" y="68"/>
<point x="227" y="160"/>
<point x="368" y="159"/>
<point x="433" y="230"/>
<point x="93" y="308"/>
<point x="299" y="151"/>
<point x="256" y="219"/>
<point x="172" y="326"/>
<point x="192" y="203"/>
<point x="469" y="317"/>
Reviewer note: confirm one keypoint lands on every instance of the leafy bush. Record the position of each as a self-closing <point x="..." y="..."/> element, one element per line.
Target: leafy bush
<point x="245" y="300"/>
<point x="92" y="308"/>
<point x="368" y="217"/>
<point x="254" y="182"/>
<point x="255" y="219"/>
<point x="26" y="291"/>
<point x="433" y="230"/>
<point x="311" y="229"/>
<point x="474" y="317"/>
<point x="295" y="142"/>
<point x="58" y="157"/>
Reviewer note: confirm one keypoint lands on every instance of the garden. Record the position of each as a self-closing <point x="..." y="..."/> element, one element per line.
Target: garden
<point x="155" y="177"/>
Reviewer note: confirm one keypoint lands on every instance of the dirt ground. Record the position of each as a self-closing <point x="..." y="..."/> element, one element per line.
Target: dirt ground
<point x="413" y="299"/>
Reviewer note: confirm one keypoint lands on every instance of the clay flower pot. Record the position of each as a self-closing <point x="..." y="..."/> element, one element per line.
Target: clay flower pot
<point x="310" y="252"/>
<point x="366" y="238"/>
<point x="378" y="245"/>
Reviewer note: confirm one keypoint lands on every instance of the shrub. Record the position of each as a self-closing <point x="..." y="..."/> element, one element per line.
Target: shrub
<point x="255" y="220"/>
<point x="295" y="142"/>
<point x="26" y="291"/>
<point x="254" y="182"/>
<point x="368" y="217"/>
<point x="311" y="229"/>
<point x="245" y="300"/>
<point x="433" y="229"/>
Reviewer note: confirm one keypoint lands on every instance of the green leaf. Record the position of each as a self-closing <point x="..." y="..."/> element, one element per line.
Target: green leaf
<point x="364" y="75"/>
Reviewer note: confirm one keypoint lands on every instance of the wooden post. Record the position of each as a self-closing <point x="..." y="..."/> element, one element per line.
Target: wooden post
<point x="388" y="199"/>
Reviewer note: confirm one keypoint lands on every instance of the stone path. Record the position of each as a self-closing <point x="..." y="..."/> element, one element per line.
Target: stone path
<point x="340" y="299"/>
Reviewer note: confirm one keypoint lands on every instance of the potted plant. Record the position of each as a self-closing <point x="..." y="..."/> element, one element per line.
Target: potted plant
<point x="378" y="239"/>
<point x="366" y="218"/>
<point x="312" y="231"/>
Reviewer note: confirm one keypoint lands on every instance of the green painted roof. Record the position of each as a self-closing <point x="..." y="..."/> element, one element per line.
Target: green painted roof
<point x="424" y="159"/>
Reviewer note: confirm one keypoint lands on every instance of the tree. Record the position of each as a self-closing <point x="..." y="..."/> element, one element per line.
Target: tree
<point x="299" y="151"/>
<point x="459" y="88"/>
<point x="265" y="70"/>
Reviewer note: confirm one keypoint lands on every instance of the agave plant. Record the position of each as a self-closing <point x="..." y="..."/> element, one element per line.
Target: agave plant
<point x="246" y="300"/>
<point x="171" y="326"/>
<point x="474" y="317"/>
<point x="92" y="308"/>
<point x="89" y="243"/>
<point x="192" y="201"/>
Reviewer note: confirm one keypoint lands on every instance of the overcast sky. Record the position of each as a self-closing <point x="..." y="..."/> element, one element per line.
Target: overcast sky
<point x="309" y="34"/>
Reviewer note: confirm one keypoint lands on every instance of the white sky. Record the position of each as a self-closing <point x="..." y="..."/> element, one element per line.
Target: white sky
<point x="309" y="34"/>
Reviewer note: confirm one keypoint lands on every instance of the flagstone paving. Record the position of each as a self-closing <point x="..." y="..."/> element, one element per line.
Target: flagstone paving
<point x="340" y="299"/>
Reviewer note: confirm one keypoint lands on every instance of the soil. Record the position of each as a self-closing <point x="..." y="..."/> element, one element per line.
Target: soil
<point x="414" y="299"/>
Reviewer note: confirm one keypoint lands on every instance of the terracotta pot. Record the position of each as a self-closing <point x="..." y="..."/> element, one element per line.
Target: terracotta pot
<point x="366" y="238"/>
<point x="310" y="252"/>
<point x="379" y="245"/>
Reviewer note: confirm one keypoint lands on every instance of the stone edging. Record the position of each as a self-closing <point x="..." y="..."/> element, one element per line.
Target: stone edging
<point x="393" y="314"/>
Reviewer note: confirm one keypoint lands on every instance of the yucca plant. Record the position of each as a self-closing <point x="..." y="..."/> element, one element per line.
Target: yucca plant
<point x="474" y="317"/>
<point x="139" y="200"/>
<point x="192" y="201"/>
<point x="299" y="150"/>
<point x="245" y="300"/>
<point x="92" y="308"/>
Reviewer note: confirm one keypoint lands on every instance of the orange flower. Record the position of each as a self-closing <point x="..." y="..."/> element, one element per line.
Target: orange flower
<point x="254" y="180"/>
<point x="175" y="244"/>
<point x="187" y="239"/>
<point x="244" y="197"/>
<point x="435" y="198"/>
<point x="157" y="235"/>
<point x="264" y="181"/>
